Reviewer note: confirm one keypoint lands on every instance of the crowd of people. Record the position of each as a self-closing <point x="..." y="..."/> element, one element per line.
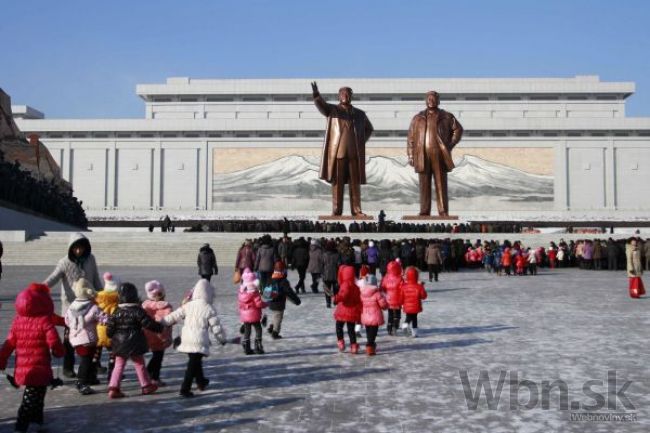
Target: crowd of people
<point x="308" y="226"/>
<point x="19" y="187"/>
<point x="101" y="315"/>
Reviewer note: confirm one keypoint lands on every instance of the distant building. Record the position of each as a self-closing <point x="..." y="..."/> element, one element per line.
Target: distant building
<point x="531" y="143"/>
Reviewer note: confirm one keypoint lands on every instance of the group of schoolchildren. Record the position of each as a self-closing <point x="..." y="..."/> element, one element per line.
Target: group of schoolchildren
<point x="505" y="260"/>
<point x="359" y="302"/>
<point x="114" y="319"/>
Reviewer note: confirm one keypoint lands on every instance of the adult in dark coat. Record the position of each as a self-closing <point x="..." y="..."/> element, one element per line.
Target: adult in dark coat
<point x="245" y="257"/>
<point x="264" y="260"/>
<point x="315" y="266"/>
<point x="207" y="262"/>
<point x="331" y="262"/>
<point x="300" y="261"/>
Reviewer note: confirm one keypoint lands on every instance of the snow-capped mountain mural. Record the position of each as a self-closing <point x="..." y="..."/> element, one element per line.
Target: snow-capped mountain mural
<point x="292" y="182"/>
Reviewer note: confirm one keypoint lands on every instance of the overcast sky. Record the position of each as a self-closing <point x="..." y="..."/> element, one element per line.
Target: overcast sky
<point x="84" y="58"/>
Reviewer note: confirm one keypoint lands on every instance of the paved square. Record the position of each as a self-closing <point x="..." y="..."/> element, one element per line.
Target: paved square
<point x="566" y="325"/>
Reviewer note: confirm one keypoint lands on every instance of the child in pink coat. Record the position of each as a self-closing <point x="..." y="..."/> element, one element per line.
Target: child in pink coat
<point x="250" y="311"/>
<point x="372" y="316"/>
<point x="157" y="308"/>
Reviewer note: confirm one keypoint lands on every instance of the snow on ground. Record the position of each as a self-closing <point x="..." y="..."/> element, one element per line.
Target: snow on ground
<point x="565" y="325"/>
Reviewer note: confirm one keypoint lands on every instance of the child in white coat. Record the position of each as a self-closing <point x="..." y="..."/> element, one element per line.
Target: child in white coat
<point x="82" y="317"/>
<point x="200" y="318"/>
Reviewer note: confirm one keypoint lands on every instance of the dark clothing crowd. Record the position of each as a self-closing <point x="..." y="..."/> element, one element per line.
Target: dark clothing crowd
<point x="19" y="187"/>
<point x="307" y="226"/>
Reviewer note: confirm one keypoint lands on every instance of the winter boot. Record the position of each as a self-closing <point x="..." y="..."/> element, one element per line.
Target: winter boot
<point x="370" y="351"/>
<point x="357" y="330"/>
<point x="414" y="332"/>
<point x="405" y="328"/>
<point x="246" y="344"/>
<point x="341" y="345"/>
<point x="276" y="335"/>
<point x="270" y="329"/>
<point x="395" y="326"/>
<point x="115" y="393"/>
<point x="149" y="389"/>
<point x="203" y="385"/>
<point x="389" y="329"/>
<point x="84" y="389"/>
<point x="258" y="347"/>
<point x="354" y="348"/>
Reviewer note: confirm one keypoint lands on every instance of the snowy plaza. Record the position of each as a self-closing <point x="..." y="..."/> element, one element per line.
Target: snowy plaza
<point x="565" y="324"/>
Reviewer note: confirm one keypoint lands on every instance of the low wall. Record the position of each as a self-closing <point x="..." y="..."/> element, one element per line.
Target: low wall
<point x="12" y="220"/>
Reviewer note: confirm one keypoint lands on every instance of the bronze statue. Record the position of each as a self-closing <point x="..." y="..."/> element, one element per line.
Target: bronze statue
<point x="344" y="149"/>
<point x="432" y="135"/>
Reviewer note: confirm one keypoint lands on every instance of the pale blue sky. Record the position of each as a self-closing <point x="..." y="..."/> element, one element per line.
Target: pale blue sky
<point x="78" y="58"/>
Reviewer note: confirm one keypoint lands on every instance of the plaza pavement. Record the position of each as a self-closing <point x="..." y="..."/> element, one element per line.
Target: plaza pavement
<point x="567" y="325"/>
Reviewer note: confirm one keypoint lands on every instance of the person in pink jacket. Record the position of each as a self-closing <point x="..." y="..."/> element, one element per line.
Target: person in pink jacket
<point x="391" y="286"/>
<point x="157" y="308"/>
<point x="348" y="307"/>
<point x="414" y="293"/>
<point x="250" y="311"/>
<point x="372" y="316"/>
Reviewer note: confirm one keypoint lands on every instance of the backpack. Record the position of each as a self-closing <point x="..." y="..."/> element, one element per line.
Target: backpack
<point x="271" y="292"/>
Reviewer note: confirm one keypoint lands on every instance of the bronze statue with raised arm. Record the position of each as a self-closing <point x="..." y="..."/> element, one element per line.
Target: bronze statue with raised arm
<point x="432" y="135"/>
<point x="344" y="149"/>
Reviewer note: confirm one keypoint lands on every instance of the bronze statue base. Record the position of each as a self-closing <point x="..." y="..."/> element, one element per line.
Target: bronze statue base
<point x="345" y="218"/>
<point x="430" y="218"/>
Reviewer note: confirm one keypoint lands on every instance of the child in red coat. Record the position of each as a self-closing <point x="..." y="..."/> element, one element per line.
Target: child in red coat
<point x="348" y="307"/>
<point x="414" y="293"/>
<point x="32" y="336"/>
<point x="391" y="286"/>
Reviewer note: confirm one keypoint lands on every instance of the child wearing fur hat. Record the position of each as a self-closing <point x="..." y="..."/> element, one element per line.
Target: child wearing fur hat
<point x="276" y="295"/>
<point x="372" y="317"/>
<point x="82" y="318"/>
<point x="32" y="335"/>
<point x="200" y="317"/>
<point x="391" y="286"/>
<point x="107" y="301"/>
<point x="250" y="312"/>
<point x="348" y="308"/>
<point x="125" y="329"/>
<point x="414" y="293"/>
<point x="157" y="308"/>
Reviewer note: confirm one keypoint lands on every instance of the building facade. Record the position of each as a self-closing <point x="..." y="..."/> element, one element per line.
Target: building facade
<point x="561" y="144"/>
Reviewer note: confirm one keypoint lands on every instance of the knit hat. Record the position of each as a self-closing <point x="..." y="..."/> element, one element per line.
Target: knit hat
<point x="248" y="276"/>
<point x="155" y="290"/>
<point x="371" y="244"/>
<point x="83" y="289"/>
<point x="110" y="282"/>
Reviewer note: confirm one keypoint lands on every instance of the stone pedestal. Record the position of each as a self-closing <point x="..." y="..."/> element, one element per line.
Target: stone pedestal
<point x="430" y="218"/>
<point x="345" y="218"/>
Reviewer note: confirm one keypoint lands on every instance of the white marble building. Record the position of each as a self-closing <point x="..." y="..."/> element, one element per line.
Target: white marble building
<point x="194" y="130"/>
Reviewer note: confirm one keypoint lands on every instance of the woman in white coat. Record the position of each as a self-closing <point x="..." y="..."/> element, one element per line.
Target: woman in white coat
<point x="200" y="318"/>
